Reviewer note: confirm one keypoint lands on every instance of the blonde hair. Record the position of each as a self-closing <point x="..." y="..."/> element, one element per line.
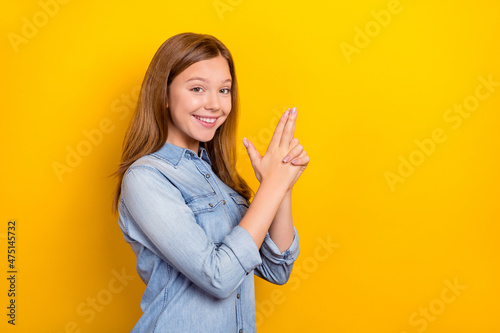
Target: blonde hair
<point x="147" y="131"/>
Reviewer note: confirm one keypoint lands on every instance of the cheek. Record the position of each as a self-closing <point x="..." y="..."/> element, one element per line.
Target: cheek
<point x="192" y="103"/>
<point x="226" y="106"/>
<point x="185" y="102"/>
<point x="227" y="111"/>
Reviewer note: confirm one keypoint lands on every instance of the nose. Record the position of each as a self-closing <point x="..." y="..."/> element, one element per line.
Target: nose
<point x="212" y="103"/>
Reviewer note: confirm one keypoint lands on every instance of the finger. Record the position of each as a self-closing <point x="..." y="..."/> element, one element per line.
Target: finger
<point x="252" y="152"/>
<point x="289" y="128"/>
<point x="275" y="140"/>
<point x="294" y="122"/>
<point x="302" y="159"/>
<point x="295" y="152"/>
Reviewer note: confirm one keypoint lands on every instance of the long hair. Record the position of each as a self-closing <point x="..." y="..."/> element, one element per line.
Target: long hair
<point x="147" y="131"/>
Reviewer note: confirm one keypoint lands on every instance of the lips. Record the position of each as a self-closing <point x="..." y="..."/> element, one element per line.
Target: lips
<point x="206" y="121"/>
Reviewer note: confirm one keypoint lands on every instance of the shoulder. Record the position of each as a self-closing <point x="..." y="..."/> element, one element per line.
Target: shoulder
<point x="146" y="172"/>
<point x="149" y="164"/>
<point x="147" y="179"/>
<point x="148" y="161"/>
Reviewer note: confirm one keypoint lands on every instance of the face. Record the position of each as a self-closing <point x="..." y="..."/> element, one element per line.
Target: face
<point x="199" y="101"/>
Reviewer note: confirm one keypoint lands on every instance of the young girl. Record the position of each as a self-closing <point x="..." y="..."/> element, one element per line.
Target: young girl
<point x="184" y="209"/>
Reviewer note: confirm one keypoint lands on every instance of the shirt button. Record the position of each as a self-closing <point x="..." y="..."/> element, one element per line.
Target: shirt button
<point x="241" y="331"/>
<point x="210" y="205"/>
<point x="238" y="296"/>
<point x="192" y="154"/>
<point x="207" y="175"/>
<point x="223" y="202"/>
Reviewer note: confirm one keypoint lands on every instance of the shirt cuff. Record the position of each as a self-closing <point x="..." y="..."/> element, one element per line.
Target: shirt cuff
<point x="270" y="250"/>
<point x="244" y="248"/>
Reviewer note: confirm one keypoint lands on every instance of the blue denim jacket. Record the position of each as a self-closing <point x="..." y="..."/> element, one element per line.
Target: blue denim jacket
<point x="181" y="221"/>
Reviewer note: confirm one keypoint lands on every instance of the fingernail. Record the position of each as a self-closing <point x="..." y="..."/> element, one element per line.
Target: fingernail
<point x="295" y="161"/>
<point x="294" y="110"/>
<point x="245" y="143"/>
<point x="286" y="159"/>
<point x="286" y="113"/>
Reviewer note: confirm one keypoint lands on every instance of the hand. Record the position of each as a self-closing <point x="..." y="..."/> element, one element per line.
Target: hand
<point x="273" y="166"/>
<point x="298" y="157"/>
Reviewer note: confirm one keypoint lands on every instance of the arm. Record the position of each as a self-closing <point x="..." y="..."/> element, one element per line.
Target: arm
<point x="271" y="209"/>
<point x="280" y="247"/>
<point x="282" y="230"/>
<point x="159" y="219"/>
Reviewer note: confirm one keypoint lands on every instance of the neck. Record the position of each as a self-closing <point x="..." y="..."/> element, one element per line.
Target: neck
<point x="194" y="145"/>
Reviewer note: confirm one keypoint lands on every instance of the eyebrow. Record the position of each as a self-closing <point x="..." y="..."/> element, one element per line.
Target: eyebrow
<point x="197" y="78"/>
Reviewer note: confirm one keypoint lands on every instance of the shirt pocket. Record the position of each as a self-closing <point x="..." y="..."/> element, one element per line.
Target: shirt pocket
<point x="210" y="215"/>
<point x="240" y="203"/>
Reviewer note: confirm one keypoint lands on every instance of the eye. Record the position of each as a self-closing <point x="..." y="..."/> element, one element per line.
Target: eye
<point x="225" y="90"/>
<point x="197" y="89"/>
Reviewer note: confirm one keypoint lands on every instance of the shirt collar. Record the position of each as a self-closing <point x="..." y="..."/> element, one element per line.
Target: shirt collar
<point x="204" y="155"/>
<point x="174" y="154"/>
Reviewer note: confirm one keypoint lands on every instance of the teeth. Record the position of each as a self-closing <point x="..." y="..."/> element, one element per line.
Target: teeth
<point x="207" y="120"/>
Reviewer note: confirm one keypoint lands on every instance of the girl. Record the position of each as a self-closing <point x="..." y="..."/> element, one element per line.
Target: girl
<point x="184" y="209"/>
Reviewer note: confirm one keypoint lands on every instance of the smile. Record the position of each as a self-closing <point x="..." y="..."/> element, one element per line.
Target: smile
<point x="206" y="121"/>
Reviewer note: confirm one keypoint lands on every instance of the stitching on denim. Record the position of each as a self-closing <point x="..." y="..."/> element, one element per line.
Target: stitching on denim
<point x="216" y="190"/>
<point x="165" y="297"/>
<point x="121" y="208"/>
<point x="145" y="167"/>
<point x="200" y="196"/>
<point x="238" y="199"/>
<point x="167" y="161"/>
<point x="204" y="210"/>
<point x="150" y="168"/>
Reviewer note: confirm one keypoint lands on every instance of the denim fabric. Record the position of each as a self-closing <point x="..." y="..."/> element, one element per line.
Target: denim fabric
<point x="181" y="221"/>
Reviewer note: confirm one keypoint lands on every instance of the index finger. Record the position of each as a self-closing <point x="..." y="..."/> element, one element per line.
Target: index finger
<point x="289" y="129"/>
<point x="275" y="140"/>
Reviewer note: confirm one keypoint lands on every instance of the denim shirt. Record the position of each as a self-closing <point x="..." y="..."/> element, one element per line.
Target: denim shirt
<point x="181" y="221"/>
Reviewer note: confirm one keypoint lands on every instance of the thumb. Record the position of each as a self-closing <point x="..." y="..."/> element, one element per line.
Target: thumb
<point x="253" y="154"/>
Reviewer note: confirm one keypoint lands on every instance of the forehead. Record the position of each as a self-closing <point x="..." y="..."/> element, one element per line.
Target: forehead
<point x="215" y="69"/>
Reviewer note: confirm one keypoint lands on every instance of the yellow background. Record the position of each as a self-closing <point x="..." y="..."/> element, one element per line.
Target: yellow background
<point x="392" y="249"/>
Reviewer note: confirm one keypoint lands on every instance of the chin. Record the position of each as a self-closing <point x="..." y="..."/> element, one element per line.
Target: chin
<point x="206" y="138"/>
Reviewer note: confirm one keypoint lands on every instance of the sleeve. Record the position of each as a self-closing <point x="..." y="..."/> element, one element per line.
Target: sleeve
<point x="167" y="226"/>
<point x="277" y="266"/>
